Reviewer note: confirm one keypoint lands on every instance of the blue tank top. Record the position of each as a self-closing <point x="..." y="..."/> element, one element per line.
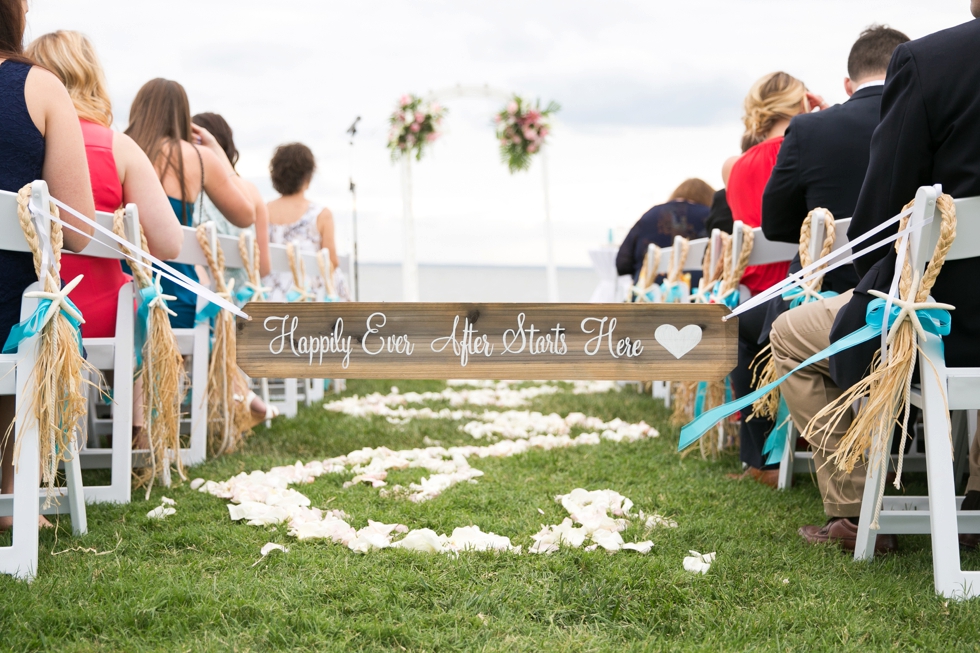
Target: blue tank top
<point x="186" y="303"/>
<point x="21" y="162"/>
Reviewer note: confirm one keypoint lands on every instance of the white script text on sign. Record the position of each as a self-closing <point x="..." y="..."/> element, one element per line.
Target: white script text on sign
<point x="514" y="341"/>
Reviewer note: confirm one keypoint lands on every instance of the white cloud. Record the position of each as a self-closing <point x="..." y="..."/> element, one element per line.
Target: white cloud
<point x="651" y="94"/>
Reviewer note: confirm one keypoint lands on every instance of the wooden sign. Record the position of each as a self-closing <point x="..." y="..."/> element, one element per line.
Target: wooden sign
<point x="358" y="340"/>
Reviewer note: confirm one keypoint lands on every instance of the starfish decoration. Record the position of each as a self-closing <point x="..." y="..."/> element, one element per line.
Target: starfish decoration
<point x="258" y="290"/>
<point x="908" y="309"/>
<point x="702" y="295"/>
<point x="808" y="292"/>
<point x="641" y="292"/>
<point x="161" y="299"/>
<point x="59" y="300"/>
<point x="304" y="295"/>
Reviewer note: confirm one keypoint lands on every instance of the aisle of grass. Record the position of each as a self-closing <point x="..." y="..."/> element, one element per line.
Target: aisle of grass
<point x="188" y="583"/>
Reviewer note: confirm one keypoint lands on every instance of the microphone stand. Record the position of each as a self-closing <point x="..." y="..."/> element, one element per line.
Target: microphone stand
<point x="352" y="130"/>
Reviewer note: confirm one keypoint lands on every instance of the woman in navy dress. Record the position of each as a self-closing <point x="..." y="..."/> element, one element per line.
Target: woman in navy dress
<point x="40" y="138"/>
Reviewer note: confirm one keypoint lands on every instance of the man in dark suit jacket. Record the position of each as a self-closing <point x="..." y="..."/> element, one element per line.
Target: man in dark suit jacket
<point x="929" y="133"/>
<point x="821" y="163"/>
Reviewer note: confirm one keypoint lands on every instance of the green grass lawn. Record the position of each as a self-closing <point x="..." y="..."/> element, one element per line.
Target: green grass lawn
<point x="188" y="583"/>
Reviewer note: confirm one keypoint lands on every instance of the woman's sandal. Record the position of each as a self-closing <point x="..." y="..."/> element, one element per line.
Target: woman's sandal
<point x="271" y="412"/>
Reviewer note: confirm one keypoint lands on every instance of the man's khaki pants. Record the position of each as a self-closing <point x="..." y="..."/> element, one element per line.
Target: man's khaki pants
<point x="796" y="335"/>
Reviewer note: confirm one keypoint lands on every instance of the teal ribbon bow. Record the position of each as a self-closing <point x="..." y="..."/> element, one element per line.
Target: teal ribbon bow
<point x="935" y="321"/>
<point x="672" y="292"/>
<point x="730" y="300"/>
<point x="148" y="298"/>
<point x="33" y="325"/>
<point x="206" y="314"/>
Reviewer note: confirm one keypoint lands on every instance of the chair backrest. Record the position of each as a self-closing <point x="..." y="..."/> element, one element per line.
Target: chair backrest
<point x="110" y="249"/>
<point x="967" y="243"/>
<point x="923" y="242"/>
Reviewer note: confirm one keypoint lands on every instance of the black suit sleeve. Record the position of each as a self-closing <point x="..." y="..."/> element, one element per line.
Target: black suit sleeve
<point x="901" y="157"/>
<point x="784" y="200"/>
<point x="625" y="257"/>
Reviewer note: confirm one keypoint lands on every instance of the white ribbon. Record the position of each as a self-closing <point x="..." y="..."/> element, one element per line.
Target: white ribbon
<point x="176" y="276"/>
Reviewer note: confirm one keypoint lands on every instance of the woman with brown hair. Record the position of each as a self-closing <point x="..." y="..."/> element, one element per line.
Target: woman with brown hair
<point x="682" y="215"/>
<point x="221" y="130"/>
<point x="120" y="173"/>
<point x="39" y="139"/>
<point x="187" y="160"/>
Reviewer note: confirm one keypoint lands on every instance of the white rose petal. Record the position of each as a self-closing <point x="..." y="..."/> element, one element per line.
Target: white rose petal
<point x="161" y="512"/>
<point x="196" y="483"/>
<point x="698" y="563"/>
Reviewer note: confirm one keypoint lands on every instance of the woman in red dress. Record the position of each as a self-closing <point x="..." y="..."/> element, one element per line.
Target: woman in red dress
<point x="120" y="173"/>
<point x="770" y="105"/>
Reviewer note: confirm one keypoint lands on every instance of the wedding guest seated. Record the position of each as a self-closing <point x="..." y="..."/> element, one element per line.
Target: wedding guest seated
<point x="929" y="134"/>
<point x="683" y="215"/>
<point x="120" y="173"/>
<point x="188" y="162"/>
<point x="40" y="138"/>
<point x="770" y="105"/>
<point x="221" y="130"/>
<point x="293" y="217"/>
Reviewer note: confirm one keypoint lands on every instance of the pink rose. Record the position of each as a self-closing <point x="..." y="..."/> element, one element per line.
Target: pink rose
<point x="532" y="148"/>
<point x="545" y="130"/>
<point x="405" y="100"/>
<point x="530" y="134"/>
<point x="431" y="136"/>
<point x="512" y="107"/>
<point x="516" y="140"/>
<point x="419" y="116"/>
<point x="415" y="127"/>
<point x="534" y="115"/>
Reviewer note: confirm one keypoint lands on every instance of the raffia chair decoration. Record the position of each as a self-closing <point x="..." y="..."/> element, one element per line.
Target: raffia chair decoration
<point x="58" y="402"/>
<point x="161" y="367"/>
<point x="253" y="291"/>
<point x="299" y="291"/>
<point x="326" y="273"/>
<point x="889" y="385"/>
<point x="763" y="366"/>
<point x="641" y="292"/>
<point x="228" y="415"/>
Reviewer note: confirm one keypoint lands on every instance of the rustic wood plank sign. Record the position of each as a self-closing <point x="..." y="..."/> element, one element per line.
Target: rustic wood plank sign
<point x="363" y="340"/>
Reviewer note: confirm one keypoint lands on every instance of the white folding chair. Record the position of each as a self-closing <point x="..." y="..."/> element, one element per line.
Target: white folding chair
<point x="115" y="354"/>
<point x="942" y="390"/>
<point x="25" y="504"/>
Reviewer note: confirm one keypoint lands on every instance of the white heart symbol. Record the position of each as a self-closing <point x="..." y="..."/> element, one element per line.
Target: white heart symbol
<point x="677" y="342"/>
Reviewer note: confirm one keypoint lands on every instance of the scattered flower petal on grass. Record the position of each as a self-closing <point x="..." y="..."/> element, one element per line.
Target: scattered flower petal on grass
<point x="641" y="547"/>
<point x="699" y="563"/>
<point x="196" y="483"/>
<point x="167" y="501"/>
<point x="161" y="512"/>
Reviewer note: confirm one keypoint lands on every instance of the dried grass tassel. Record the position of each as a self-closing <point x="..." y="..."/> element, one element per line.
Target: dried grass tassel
<point x="228" y="417"/>
<point x="763" y="366"/>
<point x="299" y="292"/>
<point x="258" y="292"/>
<point x="888" y="387"/>
<point x="326" y="273"/>
<point x="162" y="370"/>
<point x="58" y="402"/>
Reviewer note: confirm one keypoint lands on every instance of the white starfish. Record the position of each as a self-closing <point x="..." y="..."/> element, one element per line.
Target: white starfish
<point x="908" y="309"/>
<point x="702" y="295"/>
<point x="258" y="290"/>
<point x="641" y="292"/>
<point x="162" y="299"/>
<point x="304" y="295"/>
<point x="59" y="301"/>
<point x="808" y="292"/>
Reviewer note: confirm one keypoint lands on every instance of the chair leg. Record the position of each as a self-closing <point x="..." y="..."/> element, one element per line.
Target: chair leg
<point x="264" y="385"/>
<point x="199" y="397"/>
<point x="864" y="548"/>
<point x="76" y="493"/>
<point x="292" y="398"/>
<point x="786" y="462"/>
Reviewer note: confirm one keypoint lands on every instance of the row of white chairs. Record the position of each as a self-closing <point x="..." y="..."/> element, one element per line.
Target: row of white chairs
<point x="115" y="418"/>
<point x="949" y="398"/>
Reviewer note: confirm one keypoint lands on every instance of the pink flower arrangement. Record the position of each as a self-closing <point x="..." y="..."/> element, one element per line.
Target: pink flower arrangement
<point x="521" y="130"/>
<point x="413" y="124"/>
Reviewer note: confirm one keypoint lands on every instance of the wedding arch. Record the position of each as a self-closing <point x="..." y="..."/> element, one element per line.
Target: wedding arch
<point x="522" y="130"/>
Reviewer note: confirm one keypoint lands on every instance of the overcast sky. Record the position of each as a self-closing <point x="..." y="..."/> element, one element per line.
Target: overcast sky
<point x="650" y="91"/>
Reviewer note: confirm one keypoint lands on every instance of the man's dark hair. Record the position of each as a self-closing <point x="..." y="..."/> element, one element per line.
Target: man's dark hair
<point x="292" y="166"/>
<point x="872" y="51"/>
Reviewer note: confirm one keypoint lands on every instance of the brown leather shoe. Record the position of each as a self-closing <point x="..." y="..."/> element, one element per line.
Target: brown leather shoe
<point x="768" y="477"/>
<point x="843" y="532"/>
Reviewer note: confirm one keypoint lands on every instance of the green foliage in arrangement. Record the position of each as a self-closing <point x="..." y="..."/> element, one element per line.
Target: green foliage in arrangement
<point x="191" y="582"/>
<point x="522" y="129"/>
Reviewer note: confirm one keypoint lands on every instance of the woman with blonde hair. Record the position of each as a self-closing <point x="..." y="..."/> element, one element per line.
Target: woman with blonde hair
<point x="120" y="173"/>
<point x="770" y="105"/>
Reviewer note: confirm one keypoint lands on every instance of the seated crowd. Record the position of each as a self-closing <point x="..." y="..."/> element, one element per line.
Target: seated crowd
<point x="56" y="125"/>
<point x="907" y="123"/>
